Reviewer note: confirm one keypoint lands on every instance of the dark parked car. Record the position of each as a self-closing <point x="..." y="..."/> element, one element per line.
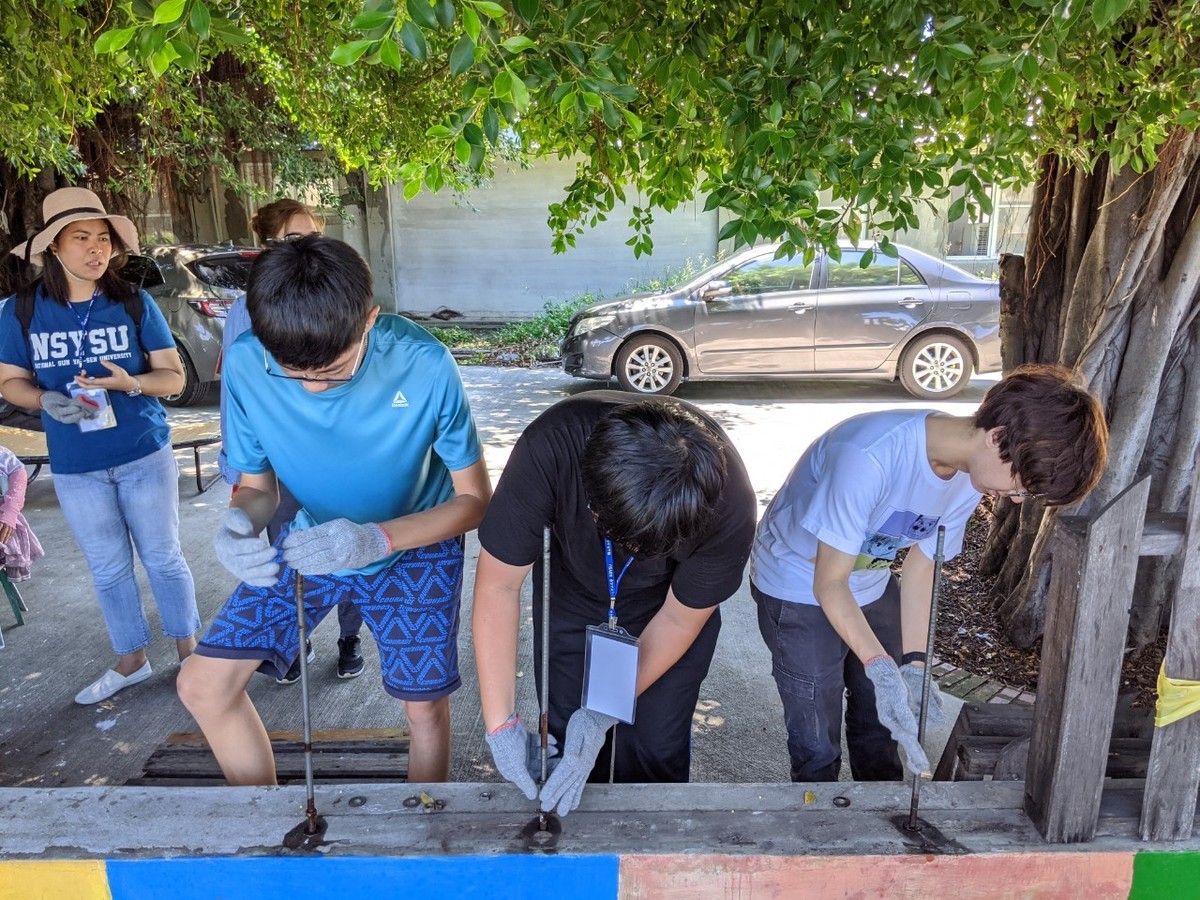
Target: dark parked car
<point x="916" y="318"/>
<point x="194" y="286"/>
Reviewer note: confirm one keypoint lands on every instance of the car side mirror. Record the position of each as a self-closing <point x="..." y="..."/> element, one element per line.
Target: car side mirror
<point x="715" y="290"/>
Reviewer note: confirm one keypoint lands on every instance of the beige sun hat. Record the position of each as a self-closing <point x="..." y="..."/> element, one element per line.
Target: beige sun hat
<point x="67" y="205"/>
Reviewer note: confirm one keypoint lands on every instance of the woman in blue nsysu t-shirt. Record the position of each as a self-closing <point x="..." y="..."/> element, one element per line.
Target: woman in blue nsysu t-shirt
<point x="77" y="354"/>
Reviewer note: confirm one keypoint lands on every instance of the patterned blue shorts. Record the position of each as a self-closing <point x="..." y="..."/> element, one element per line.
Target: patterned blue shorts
<point x="412" y="609"/>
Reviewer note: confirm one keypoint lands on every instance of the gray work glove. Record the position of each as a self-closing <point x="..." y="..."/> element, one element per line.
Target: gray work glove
<point x="914" y="677"/>
<point x="517" y="752"/>
<point x="891" y="702"/>
<point x="68" y="410"/>
<point x="585" y="736"/>
<point x="334" y="546"/>
<point x="243" y="552"/>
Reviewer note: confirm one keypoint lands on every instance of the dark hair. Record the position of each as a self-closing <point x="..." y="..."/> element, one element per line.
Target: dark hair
<point x="309" y="300"/>
<point x="653" y="472"/>
<point x="1054" y="433"/>
<point x="54" y="280"/>
<point x="270" y="219"/>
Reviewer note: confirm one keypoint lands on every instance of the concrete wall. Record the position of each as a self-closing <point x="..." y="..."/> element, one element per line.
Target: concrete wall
<point x="488" y="254"/>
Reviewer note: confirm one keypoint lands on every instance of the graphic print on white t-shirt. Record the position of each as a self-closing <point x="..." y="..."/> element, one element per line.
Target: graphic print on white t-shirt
<point x="901" y="528"/>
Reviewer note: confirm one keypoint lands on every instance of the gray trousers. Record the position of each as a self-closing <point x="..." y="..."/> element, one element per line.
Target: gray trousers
<point x="814" y="671"/>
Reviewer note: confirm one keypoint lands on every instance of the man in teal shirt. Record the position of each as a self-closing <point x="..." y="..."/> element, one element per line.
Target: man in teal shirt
<point x="365" y="419"/>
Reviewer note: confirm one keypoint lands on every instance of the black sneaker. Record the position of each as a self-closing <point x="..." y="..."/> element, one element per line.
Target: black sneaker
<point x="293" y="674"/>
<point x="350" y="661"/>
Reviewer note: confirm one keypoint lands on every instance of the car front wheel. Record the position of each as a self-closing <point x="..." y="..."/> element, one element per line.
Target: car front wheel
<point x="193" y="388"/>
<point x="649" y="365"/>
<point x="936" y="367"/>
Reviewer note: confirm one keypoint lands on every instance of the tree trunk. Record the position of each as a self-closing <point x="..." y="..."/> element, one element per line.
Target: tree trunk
<point x="1112" y="265"/>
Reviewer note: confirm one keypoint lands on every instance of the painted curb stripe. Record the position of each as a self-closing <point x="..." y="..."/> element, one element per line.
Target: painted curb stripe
<point x="36" y="880"/>
<point x="287" y="878"/>
<point x="1051" y="875"/>
<point x="1166" y="876"/>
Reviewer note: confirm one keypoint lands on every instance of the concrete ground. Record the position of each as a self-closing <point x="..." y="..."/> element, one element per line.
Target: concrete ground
<point x="46" y="740"/>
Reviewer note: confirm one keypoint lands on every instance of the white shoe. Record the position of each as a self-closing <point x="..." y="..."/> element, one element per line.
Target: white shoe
<point x="109" y="683"/>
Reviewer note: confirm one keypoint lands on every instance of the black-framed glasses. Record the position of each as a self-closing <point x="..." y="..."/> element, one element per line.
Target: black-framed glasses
<point x="310" y="379"/>
<point x="290" y="237"/>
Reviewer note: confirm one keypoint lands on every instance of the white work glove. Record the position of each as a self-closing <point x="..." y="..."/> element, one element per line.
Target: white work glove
<point x="891" y="702"/>
<point x="68" y="410"/>
<point x="517" y="752"/>
<point x="585" y="736"/>
<point x="914" y="677"/>
<point x="334" y="546"/>
<point x="243" y="552"/>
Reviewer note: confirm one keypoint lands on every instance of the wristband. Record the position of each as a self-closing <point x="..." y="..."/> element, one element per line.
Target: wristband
<point x="914" y="656"/>
<point x="506" y="724"/>
<point x="387" y="537"/>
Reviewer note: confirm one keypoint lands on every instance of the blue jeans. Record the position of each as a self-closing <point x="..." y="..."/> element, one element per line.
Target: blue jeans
<point x="139" y="500"/>
<point x="813" y="670"/>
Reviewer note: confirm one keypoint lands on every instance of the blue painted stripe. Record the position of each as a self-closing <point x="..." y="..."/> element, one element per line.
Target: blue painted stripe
<point x="531" y="877"/>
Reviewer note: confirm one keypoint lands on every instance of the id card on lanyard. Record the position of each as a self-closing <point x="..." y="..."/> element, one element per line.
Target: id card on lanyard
<point x="610" y="658"/>
<point x="96" y="398"/>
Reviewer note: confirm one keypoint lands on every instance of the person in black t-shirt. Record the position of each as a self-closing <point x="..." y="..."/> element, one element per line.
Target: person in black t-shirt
<point x="662" y="482"/>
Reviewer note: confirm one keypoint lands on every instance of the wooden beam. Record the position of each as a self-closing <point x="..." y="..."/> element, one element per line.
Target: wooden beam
<point x="1169" y="804"/>
<point x="1092" y="574"/>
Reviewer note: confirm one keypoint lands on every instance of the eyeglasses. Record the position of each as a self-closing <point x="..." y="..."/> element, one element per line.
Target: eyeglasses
<point x="1021" y="495"/>
<point x="362" y="346"/>
<point x="289" y="238"/>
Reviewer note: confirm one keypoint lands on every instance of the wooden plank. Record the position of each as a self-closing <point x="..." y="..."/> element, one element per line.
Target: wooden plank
<point x="319" y="736"/>
<point x="983" y="692"/>
<point x="357" y="755"/>
<point x="1163" y="534"/>
<point x="1169" y="804"/>
<point x="1127" y="757"/>
<point x="1093" y="568"/>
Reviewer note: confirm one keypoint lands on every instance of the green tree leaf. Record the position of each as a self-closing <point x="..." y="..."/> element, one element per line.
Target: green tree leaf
<point x="462" y="55"/>
<point x="365" y="21"/>
<point x="349" y="53"/>
<point x="489" y="9"/>
<point x="421" y="12"/>
<point x="169" y="11"/>
<point x="517" y="44"/>
<point x="389" y="54"/>
<point x="114" y="40"/>
<point x="200" y="19"/>
<point x="414" y="42"/>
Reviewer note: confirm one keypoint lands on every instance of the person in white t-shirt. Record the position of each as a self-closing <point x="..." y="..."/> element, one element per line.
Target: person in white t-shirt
<point x="837" y="622"/>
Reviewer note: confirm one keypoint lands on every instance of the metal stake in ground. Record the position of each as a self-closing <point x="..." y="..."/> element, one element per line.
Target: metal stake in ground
<point x="544" y="720"/>
<point x="309" y="832"/>
<point x="938" y="559"/>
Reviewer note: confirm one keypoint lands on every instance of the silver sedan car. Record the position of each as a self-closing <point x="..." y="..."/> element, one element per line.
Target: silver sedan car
<point x="915" y="317"/>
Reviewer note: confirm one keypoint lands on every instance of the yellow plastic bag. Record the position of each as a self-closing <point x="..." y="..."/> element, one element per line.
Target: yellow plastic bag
<point x="1177" y="698"/>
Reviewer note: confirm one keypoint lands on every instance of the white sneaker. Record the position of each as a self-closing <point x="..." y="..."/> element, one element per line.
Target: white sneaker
<point x="109" y="683"/>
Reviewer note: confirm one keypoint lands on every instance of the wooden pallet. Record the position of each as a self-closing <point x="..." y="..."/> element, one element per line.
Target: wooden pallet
<point x="992" y="740"/>
<point x="352" y="755"/>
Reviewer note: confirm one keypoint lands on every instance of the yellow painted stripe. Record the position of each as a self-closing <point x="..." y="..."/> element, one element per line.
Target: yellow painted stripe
<point x="35" y="880"/>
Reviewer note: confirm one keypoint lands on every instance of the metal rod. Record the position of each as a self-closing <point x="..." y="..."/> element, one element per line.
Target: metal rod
<point x="938" y="560"/>
<point x="310" y="812"/>
<point x="544" y="719"/>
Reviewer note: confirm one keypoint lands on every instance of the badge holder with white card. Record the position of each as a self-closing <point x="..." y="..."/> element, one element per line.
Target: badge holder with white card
<point x="610" y="659"/>
<point x="95" y="399"/>
<point x="98" y="400"/>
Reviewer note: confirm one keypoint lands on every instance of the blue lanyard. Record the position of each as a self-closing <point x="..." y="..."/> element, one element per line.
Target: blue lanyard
<point x="613" y="582"/>
<point x="83" y="324"/>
